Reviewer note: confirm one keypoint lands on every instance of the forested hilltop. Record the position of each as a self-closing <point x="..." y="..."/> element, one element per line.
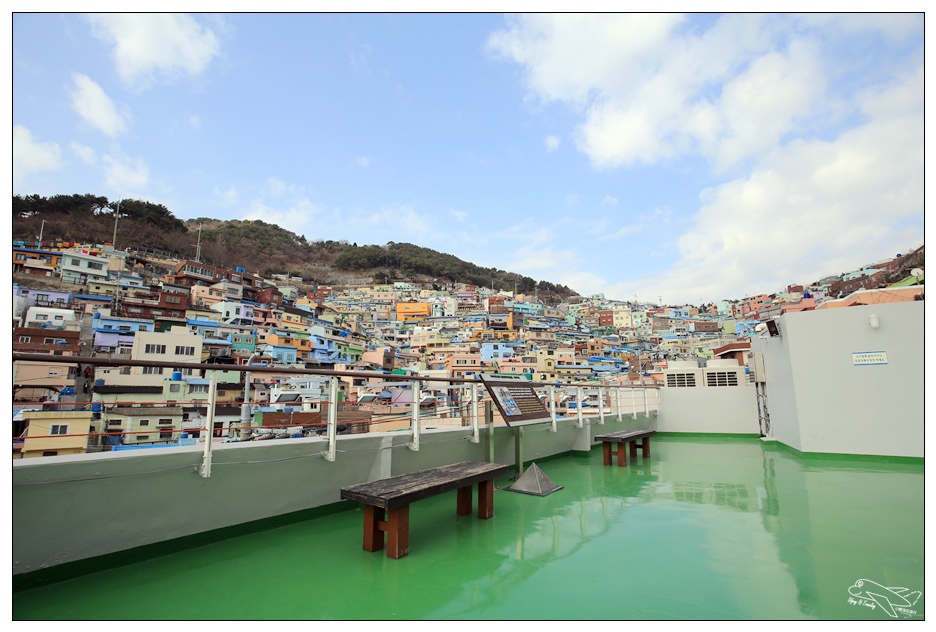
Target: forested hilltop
<point x="254" y="245"/>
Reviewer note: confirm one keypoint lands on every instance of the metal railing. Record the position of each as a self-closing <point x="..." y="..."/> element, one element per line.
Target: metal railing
<point x="461" y="406"/>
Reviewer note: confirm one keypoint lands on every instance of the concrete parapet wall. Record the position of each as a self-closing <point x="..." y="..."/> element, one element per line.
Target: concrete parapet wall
<point x="72" y="508"/>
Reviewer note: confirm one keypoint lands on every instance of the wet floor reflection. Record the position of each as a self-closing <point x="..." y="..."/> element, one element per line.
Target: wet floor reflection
<point x="705" y="528"/>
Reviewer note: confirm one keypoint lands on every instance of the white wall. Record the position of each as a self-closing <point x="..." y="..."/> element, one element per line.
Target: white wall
<point x="819" y="401"/>
<point x="723" y="409"/>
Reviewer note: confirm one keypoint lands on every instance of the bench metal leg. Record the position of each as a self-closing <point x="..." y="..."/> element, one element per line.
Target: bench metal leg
<point x="464" y="501"/>
<point x="622" y="454"/>
<point x="606" y="451"/>
<point x="373" y="534"/>
<point x="646" y="447"/>
<point x="398" y="532"/>
<point x="486" y="499"/>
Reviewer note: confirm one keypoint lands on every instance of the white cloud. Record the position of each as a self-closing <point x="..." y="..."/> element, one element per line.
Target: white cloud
<point x="151" y="45"/>
<point x="571" y="200"/>
<point x="360" y="60"/>
<point x="194" y="121"/>
<point x="811" y="207"/>
<point x="84" y="153"/>
<point x="609" y="200"/>
<point x="650" y="90"/>
<point x="228" y="196"/>
<point x="90" y="101"/>
<point x="404" y="222"/>
<point x="299" y="217"/>
<point x="362" y="161"/>
<point x="125" y="175"/>
<point x="32" y="156"/>
<point x="276" y="187"/>
<point x="459" y="216"/>
<point x="552" y="142"/>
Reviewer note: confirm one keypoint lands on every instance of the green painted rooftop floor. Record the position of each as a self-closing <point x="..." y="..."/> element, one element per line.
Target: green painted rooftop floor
<point x="706" y="528"/>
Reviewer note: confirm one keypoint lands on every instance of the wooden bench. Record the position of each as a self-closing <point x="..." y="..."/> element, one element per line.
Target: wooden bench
<point x="623" y="438"/>
<point x="394" y="496"/>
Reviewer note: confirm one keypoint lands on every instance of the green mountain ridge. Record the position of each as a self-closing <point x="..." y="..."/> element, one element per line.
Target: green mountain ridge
<point x="255" y="245"/>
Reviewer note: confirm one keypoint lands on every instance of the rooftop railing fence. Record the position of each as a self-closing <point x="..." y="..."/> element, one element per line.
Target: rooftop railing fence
<point x="444" y="403"/>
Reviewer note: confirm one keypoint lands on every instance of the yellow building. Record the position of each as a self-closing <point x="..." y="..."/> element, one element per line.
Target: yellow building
<point x="56" y="433"/>
<point x="413" y="310"/>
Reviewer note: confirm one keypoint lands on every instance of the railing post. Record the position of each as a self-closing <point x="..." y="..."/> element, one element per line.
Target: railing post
<point x="475" y="430"/>
<point x="646" y="404"/>
<point x="552" y="408"/>
<point x="634" y="402"/>
<point x="414" y="446"/>
<point x="332" y="419"/>
<point x="209" y="425"/>
<point x="580" y="422"/>
<point x="600" y="407"/>
<point x="489" y="429"/>
<point x="617" y="402"/>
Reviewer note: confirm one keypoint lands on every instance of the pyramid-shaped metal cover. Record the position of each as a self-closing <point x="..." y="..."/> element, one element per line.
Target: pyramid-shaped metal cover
<point x="534" y="481"/>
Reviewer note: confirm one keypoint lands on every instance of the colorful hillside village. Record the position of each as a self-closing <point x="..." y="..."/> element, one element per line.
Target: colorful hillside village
<point x="118" y="306"/>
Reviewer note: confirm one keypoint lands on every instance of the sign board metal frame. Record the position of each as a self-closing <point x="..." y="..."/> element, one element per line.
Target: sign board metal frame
<point x="517" y="402"/>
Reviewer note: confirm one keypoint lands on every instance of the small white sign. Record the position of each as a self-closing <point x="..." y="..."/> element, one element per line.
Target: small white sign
<point x="867" y="358"/>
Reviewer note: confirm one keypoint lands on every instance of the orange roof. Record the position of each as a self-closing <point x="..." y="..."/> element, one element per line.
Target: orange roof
<point x="875" y="297"/>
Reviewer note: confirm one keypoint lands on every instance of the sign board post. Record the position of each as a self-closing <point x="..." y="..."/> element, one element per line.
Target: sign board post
<point x="520" y="406"/>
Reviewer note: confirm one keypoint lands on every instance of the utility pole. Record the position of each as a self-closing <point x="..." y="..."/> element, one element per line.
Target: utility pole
<point x="198" y="246"/>
<point x="116" y="217"/>
<point x="41" y="229"/>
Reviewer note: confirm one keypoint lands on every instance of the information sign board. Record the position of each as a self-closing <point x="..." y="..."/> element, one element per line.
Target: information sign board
<point x="515" y="399"/>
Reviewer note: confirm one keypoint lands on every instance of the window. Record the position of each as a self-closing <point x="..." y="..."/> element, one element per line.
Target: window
<point x="144" y="422"/>
<point x="152" y="370"/>
<point x="76" y="262"/>
<point x="198" y="388"/>
<point x="181" y="350"/>
<point x="155" y="349"/>
<point x="174" y="388"/>
<point x="174" y="299"/>
<point x="142" y="437"/>
<point x="114" y="422"/>
<point x="42" y="297"/>
<point x="165" y="422"/>
<point x="166" y="435"/>
<point x="92" y="265"/>
<point x="24" y="339"/>
<point x="50" y="453"/>
<point x="126" y="328"/>
<point x="42" y="317"/>
<point x="58" y="429"/>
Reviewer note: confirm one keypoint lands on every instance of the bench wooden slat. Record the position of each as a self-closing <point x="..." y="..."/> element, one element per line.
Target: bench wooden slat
<point x="404" y="489"/>
<point x="624" y="435"/>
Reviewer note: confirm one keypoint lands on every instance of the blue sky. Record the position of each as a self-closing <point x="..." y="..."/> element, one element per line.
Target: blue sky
<point x="689" y="157"/>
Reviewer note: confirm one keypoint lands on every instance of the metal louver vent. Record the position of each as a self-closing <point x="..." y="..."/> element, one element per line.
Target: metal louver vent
<point x="680" y="380"/>
<point x="721" y="378"/>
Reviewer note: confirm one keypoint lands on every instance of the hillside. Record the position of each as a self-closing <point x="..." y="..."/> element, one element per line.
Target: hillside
<point x="254" y="245"/>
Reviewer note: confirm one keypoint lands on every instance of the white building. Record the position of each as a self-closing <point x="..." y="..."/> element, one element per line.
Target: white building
<point x="50" y="317"/>
<point x="79" y="268"/>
